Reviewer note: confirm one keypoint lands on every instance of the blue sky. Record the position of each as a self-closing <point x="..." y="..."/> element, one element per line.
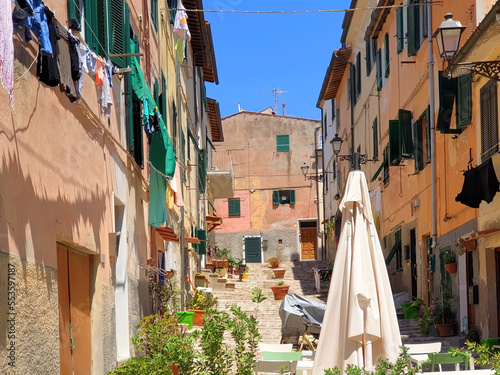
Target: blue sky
<point x="256" y="52"/>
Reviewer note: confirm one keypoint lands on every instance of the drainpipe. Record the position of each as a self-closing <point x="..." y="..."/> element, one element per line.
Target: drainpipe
<point x="181" y="234"/>
<point x="432" y="122"/>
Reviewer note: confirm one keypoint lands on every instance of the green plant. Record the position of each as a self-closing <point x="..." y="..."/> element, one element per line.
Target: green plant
<point x="383" y="367"/>
<point x="281" y="283"/>
<point x="473" y="335"/>
<point x="222" y="254"/>
<point x="448" y="256"/>
<point x="201" y="300"/>
<point x="257" y="295"/>
<point x="274" y="262"/>
<point x="153" y="332"/>
<point x="484" y="355"/>
<point x="246" y="269"/>
<point x="443" y="312"/>
<point x="243" y="329"/>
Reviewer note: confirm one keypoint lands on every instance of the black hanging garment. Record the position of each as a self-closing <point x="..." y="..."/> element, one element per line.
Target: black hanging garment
<point x="47" y="69"/>
<point x="480" y="184"/>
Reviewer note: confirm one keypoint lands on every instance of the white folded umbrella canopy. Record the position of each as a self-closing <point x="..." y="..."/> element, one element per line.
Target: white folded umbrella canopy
<point x="360" y="323"/>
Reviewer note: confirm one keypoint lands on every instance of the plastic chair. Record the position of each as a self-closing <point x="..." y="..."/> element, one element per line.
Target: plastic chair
<point x="263" y="347"/>
<point x="446" y="359"/>
<point x="419" y="353"/>
<point x="276" y="367"/>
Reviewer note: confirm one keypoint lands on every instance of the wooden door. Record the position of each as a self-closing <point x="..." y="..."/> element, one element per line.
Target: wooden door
<point x="253" y="250"/>
<point x="74" y="310"/>
<point x="308" y="243"/>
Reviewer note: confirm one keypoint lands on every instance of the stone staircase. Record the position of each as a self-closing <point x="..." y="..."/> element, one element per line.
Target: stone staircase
<point x="299" y="277"/>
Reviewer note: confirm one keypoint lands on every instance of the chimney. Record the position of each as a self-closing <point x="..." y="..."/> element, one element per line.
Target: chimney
<point x="283" y="108"/>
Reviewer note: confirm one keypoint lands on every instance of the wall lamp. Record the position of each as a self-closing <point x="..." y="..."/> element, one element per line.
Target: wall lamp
<point x="356" y="158"/>
<point x="448" y="36"/>
<point x="319" y="177"/>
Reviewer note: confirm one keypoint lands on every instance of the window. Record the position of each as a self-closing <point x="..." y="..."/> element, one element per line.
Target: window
<point x="400" y="138"/>
<point x="106" y="26"/>
<point x="282" y="143"/>
<point x="174" y="127"/>
<point x="387" y="56"/>
<point x="368" y="57"/>
<point x="379" y="70"/>
<point x="375" y="139"/>
<point x="400" y="29"/>
<point x="333" y="109"/>
<point x="284" y="197"/>
<point x="386" y="166"/>
<point x="450" y="89"/>
<point x="374" y="50"/>
<point x="154" y="13"/>
<point x="233" y="206"/>
<point x="353" y="85"/>
<point x="489" y="120"/>
<point x="421" y="141"/>
<point x="202" y="171"/>
<point x="417" y="25"/>
<point x="325" y="126"/>
<point x="163" y="99"/>
<point x="135" y="133"/>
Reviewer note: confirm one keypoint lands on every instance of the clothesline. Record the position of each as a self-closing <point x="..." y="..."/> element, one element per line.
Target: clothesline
<point x="438" y="2"/>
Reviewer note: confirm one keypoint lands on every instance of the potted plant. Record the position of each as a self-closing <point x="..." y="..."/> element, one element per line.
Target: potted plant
<point x="245" y="273"/>
<point x="280" y="290"/>
<point x="445" y="319"/>
<point x="221" y="261"/>
<point x="275" y="262"/>
<point x="198" y="303"/>
<point x="449" y="261"/>
<point x="200" y="281"/>
<point x="426" y="317"/>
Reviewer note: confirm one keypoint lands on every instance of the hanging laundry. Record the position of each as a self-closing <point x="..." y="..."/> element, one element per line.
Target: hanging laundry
<point x="104" y="94"/>
<point x="76" y="71"/>
<point x="170" y="196"/>
<point x="31" y="15"/>
<point x="179" y="201"/>
<point x="65" y="68"/>
<point x="181" y="28"/>
<point x="99" y="72"/>
<point x="480" y="183"/>
<point x="47" y="68"/>
<point x="91" y="61"/>
<point x="111" y="69"/>
<point x="6" y="48"/>
<point x="180" y="49"/>
<point x="82" y="57"/>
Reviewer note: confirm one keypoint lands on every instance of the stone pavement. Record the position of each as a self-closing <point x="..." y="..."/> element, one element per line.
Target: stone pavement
<point x="300" y="278"/>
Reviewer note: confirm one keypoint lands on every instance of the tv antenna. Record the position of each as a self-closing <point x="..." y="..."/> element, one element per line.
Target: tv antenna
<point x="276" y="93"/>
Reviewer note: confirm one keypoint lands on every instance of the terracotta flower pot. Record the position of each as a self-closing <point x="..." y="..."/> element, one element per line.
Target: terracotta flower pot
<point x="451" y="267"/>
<point x="280" y="291"/>
<point x="445" y="330"/>
<point x="198" y="317"/>
<point x="279" y="273"/>
<point x="175" y="369"/>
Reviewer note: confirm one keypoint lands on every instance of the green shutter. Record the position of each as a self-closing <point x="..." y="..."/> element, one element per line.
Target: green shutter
<point x="282" y="143"/>
<point x="418" y="151"/>
<point x="173" y="5"/>
<point x="387" y="55"/>
<point x="74" y="15"/>
<point x="129" y="111"/>
<point x="379" y="70"/>
<point x="156" y="91"/>
<point x="183" y="147"/>
<point x="375" y="139"/>
<point x="163" y="99"/>
<point x="382" y="165"/>
<point x="394" y="142"/>
<point x="276" y="197"/>
<point x="234" y="207"/>
<point x="386" y="165"/>
<point x="119" y="24"/>
<point x="406" y="135"/>
<point x="464" y="100"/>
<point x="428" y="133"/>
<point x="101" y="26"/>
<point x="358" y="75"/>
<point x="413" y="28"/>
<point x="154" y="13"/>
<point x="292" y="196"/>
<point x="353" y="84"/>
<point x="447" y="94"/>
<point x="400" y="29"/>
<point x="202" y="171"/>
<point x="174" y="127"/>
<point x="202" y="236"/>
<point x="90" y="25"/>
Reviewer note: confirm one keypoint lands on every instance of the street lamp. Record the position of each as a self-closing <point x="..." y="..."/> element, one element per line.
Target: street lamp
<point x="356" y="158"/>
<point x="305" y="169"/>
<point x="447" y="37"/>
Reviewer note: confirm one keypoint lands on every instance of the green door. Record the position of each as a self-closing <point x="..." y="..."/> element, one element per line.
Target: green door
<point x="252" y="250"/>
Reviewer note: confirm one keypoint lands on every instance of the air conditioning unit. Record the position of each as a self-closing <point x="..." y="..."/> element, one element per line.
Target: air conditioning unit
<point x="114" y="238"/>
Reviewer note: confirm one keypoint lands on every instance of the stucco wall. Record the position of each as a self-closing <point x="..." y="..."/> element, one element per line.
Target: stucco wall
<point x="34" y="329"/>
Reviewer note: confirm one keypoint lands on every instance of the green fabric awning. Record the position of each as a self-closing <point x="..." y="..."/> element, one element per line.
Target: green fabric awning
<point x="161" y="153"/>
<point x="157" y="199"/>
<point x="394" y="249"/>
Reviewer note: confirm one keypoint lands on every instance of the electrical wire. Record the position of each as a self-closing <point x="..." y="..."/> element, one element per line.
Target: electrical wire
<point x="438" y="2"/>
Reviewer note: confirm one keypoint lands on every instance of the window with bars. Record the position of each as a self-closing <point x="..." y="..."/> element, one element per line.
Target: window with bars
<point x="283" y="197"/>
<point x="234" y="207"/>
<point x="489" y="120"/>
<point x="283" y="143"/>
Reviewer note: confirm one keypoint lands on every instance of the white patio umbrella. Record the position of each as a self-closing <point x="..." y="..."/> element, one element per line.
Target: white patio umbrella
<point x="360" y="323"/>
